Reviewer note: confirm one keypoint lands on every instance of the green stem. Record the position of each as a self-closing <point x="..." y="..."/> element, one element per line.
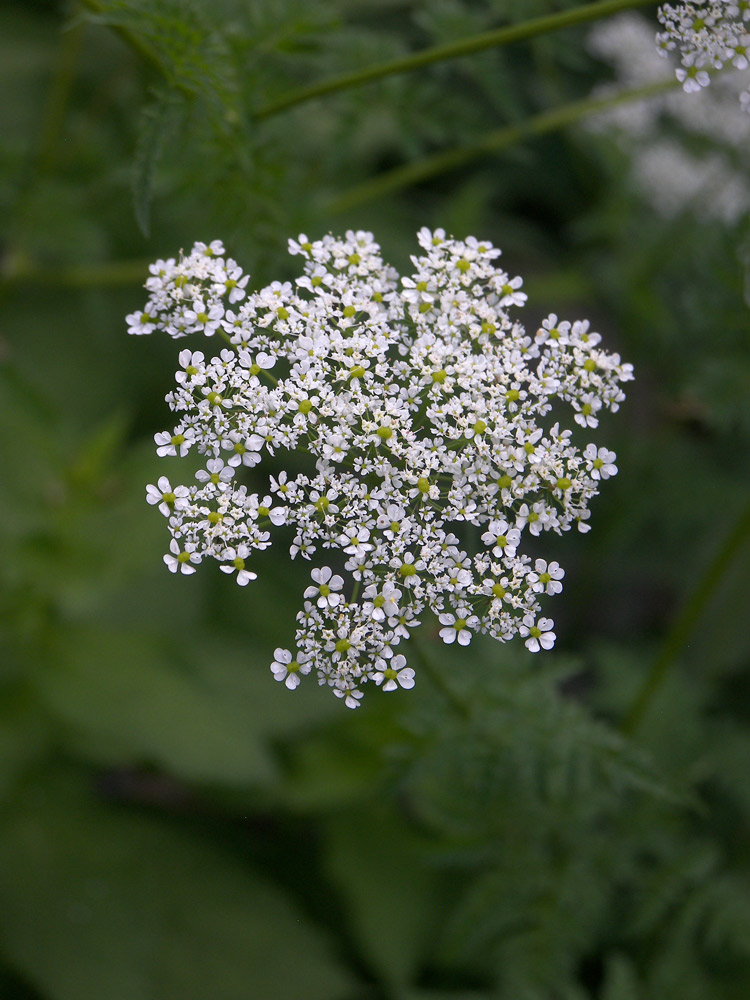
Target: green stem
<point x="18" y="270"/>
<point x="438" y="681"/>
<point x="43" y="152"/>
<point x="686" y="622"/>
<point x="57" y="98"/>
<point x="492" y="142"/>
<point x="451" y="50"/>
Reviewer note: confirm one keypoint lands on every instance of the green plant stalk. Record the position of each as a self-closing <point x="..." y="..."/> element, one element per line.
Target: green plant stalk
<point x="18" y="270"/>
<point x="437" y="679"/>
<point x="685" y="622"/>
<point x="57" y="98"/>
<point x="492" y="142"/>
<point x="452" y="50"/>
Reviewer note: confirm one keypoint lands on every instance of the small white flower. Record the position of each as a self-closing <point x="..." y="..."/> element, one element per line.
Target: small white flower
<point x="458" y="626"/>
<point x="234" y="562"/>
<point x="394" y="673"/>
<point x="502" y="537"/>
<point x="325" y="593"/>
<point x="350" y="694"/>
<point x="539" y="633"/>
<point x="288" y="670"/>
<point x="216" y="473"/>
<point x="184" y="560"/>
<point x="168" y="499"/>
<point x="355" y="540"/>
<point x="600" y="462"/>
<point x="178" y="443"/>
<point x="545" y="577"/>
<point x="381" y="602"/>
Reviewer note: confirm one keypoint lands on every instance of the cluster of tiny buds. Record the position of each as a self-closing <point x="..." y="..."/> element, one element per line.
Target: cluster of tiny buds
<point x="709" y="34"/>
<point x="422" y="415"/>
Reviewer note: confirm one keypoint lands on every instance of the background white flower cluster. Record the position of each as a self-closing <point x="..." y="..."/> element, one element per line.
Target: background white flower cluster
<point x="709" y="34"/>
<point x="688" y="151"/>
<point x="425" y="416"/>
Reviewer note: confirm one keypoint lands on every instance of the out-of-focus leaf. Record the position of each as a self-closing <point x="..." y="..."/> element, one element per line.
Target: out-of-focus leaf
<point x="124" y="701"/>
<point x="100" y="903"/>
<point x="621" y="980"/>
<point x="390" y="892"/>
<point x="24" y="734"/>
<point x="158" y="121"/>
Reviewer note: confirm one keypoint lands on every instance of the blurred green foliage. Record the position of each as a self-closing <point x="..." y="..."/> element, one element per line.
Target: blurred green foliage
<point x="174" y="824"/>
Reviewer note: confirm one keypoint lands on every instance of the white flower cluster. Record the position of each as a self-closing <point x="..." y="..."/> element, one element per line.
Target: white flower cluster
<point x="709" y="34"/>
<point x="688" y="152"/>
<point x="425" y="416"/>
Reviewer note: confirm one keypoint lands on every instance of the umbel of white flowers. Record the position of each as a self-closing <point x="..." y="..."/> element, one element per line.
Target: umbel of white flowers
<point x="709" y="35"/>
<point x="429" y="414"/>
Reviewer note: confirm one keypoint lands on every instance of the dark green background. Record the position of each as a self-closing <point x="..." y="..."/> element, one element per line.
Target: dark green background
<point x="174" y="824"/>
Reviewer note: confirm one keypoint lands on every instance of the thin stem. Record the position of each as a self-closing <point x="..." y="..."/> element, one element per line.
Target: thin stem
<point x="44" y="150"/>
<point x="452" y="50"/>
<point x="686" y="622"/>
<point x="438" y="681"/>
<point x="58" y="95"/>
<point x="492" y="142"/>
<point x="18" y="270"/>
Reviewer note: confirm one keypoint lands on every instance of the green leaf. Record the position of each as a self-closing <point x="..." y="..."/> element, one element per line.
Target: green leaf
<point x="157" y="124"/>
<point x="23" y="736"/>
<point x="124" y="701"/>
<point x="100" y="903"/>
<point x="390" y="891"/>
<point x="621" y="981"/>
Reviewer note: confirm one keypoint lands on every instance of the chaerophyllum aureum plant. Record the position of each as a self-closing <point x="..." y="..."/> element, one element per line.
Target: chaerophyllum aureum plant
<point x="429" y="424"/>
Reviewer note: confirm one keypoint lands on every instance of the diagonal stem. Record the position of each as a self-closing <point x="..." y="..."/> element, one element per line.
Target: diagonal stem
<point x="437" y="679"/>
<point x="451" y="50"/>
<point x="686" y="622"/>
<point x="492" y="142"/>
